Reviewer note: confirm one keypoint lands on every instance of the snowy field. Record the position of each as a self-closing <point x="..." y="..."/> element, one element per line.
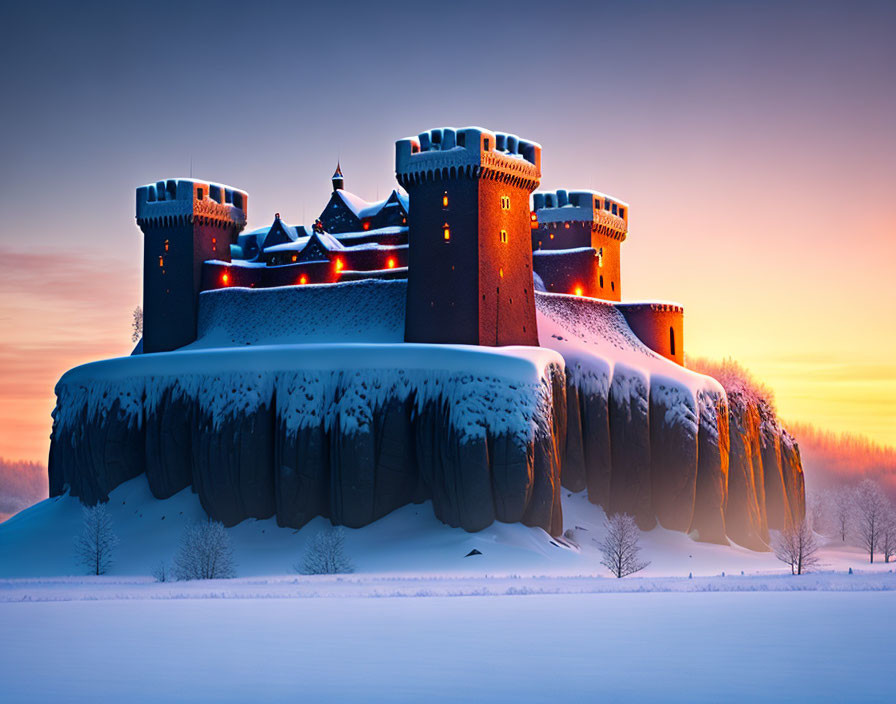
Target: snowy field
<point x="671" y="647"/>
<point x="531" y="619"/>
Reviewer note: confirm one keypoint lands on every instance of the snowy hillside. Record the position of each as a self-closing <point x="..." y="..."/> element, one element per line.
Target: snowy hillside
<point x="39" y="542"/>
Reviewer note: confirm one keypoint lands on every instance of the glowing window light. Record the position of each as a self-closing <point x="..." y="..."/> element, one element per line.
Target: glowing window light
<point x="446" y="232"/>
<point x="303" y="279"/>
<point x="166" y="245"/>
<point x="501" y="273"/>
<point x="161" y="261"/>
<point x="225" y="278"/>
<point x="339" y="265"/>
<point x="445" y="200"/>
<point x="390" y="263"/>
<point x="579" y="291"/>
<point x="366" y="225"/>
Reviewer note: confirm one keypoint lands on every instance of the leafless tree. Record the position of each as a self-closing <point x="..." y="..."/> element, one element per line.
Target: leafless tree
<point x="796" y="545"/>
<point x="819" y="510"/>
<point x="619" y="546"/>
<point x="205" y="553"/>
<point x="888" y="535"/>
<point x="137" y="324"/>
<point x="97" y="540"/>
<point x="325" y="554"/>
<point x="842" y="511"/>
<point x="872" y="508"/>
<point x="161" y="573"/>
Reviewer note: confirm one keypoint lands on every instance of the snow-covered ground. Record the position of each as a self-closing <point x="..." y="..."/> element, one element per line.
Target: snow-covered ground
<point x="531" y="619"/>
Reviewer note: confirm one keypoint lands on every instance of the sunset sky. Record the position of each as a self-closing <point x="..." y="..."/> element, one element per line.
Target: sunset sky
<point x="755" y="142"/>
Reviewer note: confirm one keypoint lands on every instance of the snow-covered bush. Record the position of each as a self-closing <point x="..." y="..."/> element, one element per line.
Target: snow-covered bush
<point x="205" y="553"/>
<point x="619" y="547"/>
<point x="137" y="324"/>
<point x="796" y="545"/>
<point x="97" y="540"/>
<point x="325" y="554"/>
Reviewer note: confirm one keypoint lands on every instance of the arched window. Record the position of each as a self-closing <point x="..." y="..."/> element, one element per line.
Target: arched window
<point x="672" y="341"/>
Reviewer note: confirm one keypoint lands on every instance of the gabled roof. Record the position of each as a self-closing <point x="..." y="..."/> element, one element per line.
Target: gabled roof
<point x="364" y="209"/>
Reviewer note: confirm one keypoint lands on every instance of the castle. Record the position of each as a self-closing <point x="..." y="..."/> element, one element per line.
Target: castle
<point x="472" y="248"/>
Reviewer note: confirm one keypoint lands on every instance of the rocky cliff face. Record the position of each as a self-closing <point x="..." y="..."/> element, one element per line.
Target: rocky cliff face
<point x="353" y="431"/>
<point x="350" y="445"/>
<point x="649" y="438"/>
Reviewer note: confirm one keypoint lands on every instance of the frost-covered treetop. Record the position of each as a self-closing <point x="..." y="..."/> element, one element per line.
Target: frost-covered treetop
<point x="188" y="196"/>
<point x="446" y="147"/>
<point x="563" y="206"/>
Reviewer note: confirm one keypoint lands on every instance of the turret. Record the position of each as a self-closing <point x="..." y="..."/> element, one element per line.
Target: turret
<point x="470" y="260"/>
<point x="185" y="222"/>
<point x="338" y="180"/>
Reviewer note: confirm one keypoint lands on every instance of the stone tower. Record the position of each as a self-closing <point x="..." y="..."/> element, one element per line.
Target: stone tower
<point x="184" y="222"/>
<point x="580" y="220"/>
<point x="470" y="259"/>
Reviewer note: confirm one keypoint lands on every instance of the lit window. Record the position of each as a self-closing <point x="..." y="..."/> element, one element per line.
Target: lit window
<point x="294" y="257"/>
<point x="366" y="225"/>
<point x="225" y="278"/>
<point x="504" y="236"/>
<point x="166" y="245"/>
<point x="339" y="265"/>
<point x="390" y="263"/>
<point x="446" y="231"/>
<point x="214" y="243"/>
<point x="161" y="261"/>
<point x="505" y="202"/>
<point x="552" y="235"/>
<point x="501" y="273"/>
<point x="303" y="279"/>
<point x="445" y="200"/>
<point x="579" y="291"/>
<point x="566" y="225"/>
<point x="600" y="257"/>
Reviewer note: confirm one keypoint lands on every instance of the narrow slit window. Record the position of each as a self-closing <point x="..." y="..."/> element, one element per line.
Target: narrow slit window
<point x="446" y="232"/>
<point x="445" y="199"/>
<point x="504" y="236"/>
<point x="672" y="341"/>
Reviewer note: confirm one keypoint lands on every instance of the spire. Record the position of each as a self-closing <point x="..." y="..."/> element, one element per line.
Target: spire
<point x="338" y="180"/>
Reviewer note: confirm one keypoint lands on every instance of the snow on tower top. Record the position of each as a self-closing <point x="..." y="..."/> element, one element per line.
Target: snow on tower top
<point x="188" y="196"/>
<point x="474" y="151"/>
<point x="565" y="206"/>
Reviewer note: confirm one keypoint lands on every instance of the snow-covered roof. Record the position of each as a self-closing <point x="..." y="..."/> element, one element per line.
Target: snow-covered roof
<point x="555" y="252"/>
<point x="391" y="230"/>
<point x="364" y="209"/>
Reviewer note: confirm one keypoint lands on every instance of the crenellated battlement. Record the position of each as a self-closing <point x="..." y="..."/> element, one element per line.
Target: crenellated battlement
<point x="561" y="206"/>
<point x="177" y="201"/>
<point x="470" y="152"/>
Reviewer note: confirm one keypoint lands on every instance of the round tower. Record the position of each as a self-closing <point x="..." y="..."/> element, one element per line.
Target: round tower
<point x="185" y="222"/>
<point x="470" y="255"/>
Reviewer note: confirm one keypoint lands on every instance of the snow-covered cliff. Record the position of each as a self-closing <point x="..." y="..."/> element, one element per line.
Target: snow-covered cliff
<point x="304" y="401"/>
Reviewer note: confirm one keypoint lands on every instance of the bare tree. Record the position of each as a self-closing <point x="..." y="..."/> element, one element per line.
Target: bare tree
<point x="888" y="535"/>
<point x="161" y="573"/>
<point x="325" y="554"/>
<point x="97" y="540"/>
<point x="205" y="553"/>
<point x="818" y="510"/>
<point x="797" y="546"/>
<point x="842" y="509"/>
<point x="872" y="508"/>
<point x="619" y="546"/>
<point x="137" y="324"/>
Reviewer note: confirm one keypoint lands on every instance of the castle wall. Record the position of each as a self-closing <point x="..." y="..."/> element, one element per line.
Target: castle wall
<point x="568" y="271"/>
<point x="660" y="326"/>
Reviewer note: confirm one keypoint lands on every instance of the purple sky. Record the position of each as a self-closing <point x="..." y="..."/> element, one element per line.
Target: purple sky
<point x="754" y="141"/>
